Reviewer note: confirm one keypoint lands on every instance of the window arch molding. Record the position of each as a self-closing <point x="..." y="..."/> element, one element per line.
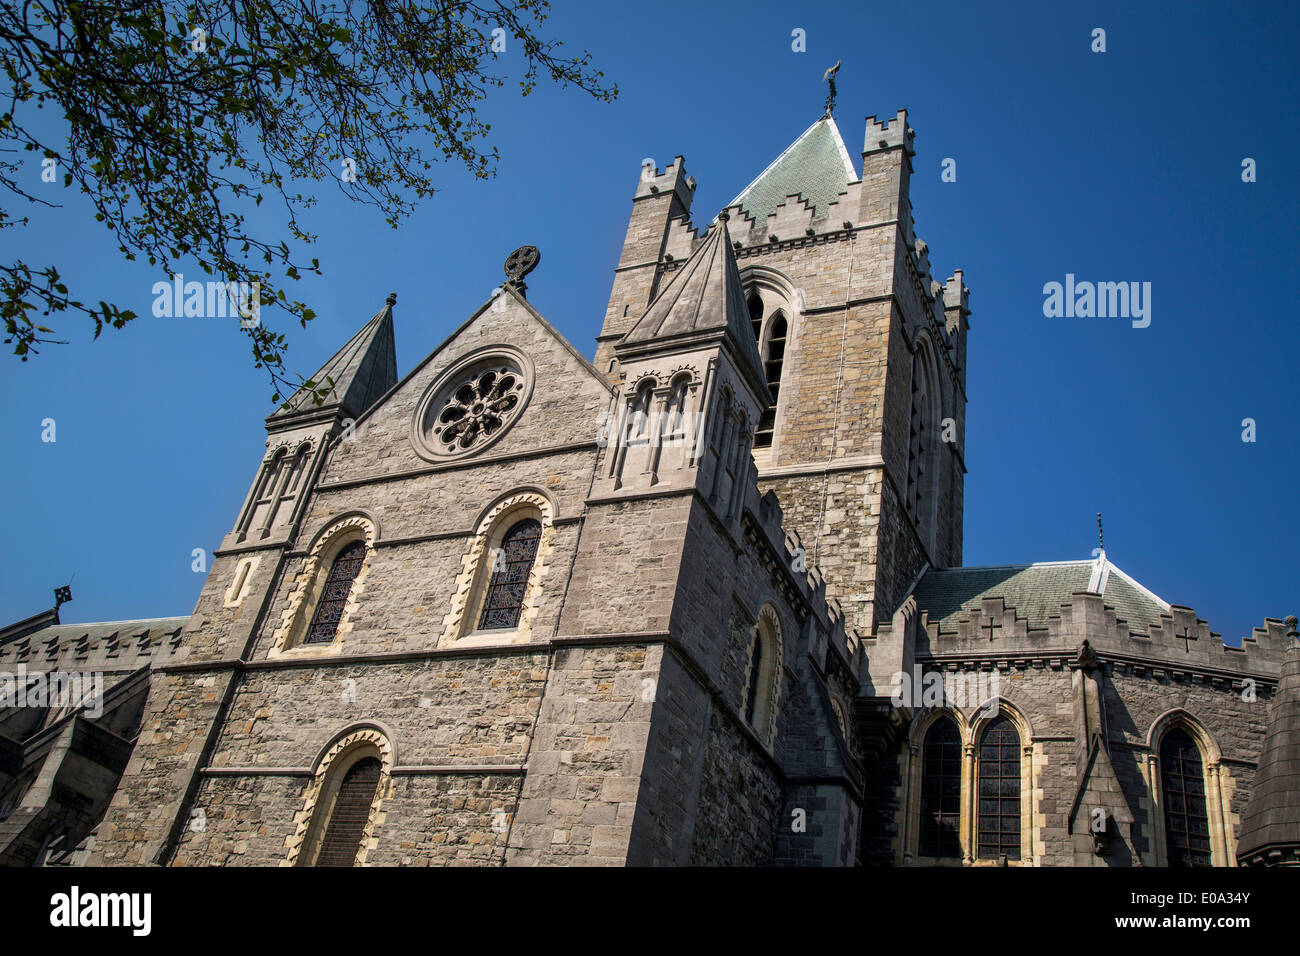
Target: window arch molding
<point x="1217" y="781"/>
<point x="309" y="585"/>
<point x="926" y="410"/>
<point x="780" y="301"/>
<point x="460" y="623"/>
<point x="988" y="712"/>
<point x="761" y="701"/>
<point x="910" y="805"/>
<point x="280" y="482"/>
<point x="356" y="743"/>
<point x="971" y="731"/>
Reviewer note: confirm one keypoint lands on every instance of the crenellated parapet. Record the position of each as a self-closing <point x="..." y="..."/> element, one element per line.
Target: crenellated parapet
<point x="803" y="585"/>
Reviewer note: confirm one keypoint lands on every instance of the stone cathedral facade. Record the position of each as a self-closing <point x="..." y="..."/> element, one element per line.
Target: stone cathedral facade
<point x="698" y="601"/>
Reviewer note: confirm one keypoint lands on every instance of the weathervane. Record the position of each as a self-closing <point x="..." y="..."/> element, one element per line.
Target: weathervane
<point x="829" y="77"/>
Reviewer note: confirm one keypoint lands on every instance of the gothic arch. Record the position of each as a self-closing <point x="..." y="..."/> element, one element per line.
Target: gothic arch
<point x="1216" y="779"/>
<point x="926" y="412"/>
<point x="309" y="586"/>
<point x="991" y="710"/>
<point x="356" y="743"/>
<point x="497" y="519"/>
<point x="774" y="304"/>
<point x="763" y="673"/>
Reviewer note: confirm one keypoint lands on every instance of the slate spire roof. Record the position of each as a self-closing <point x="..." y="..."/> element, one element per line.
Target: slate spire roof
<point x="703" y="300"/>
<point x="1270" y="828"/>
<point x="363" y="370"/>
<point x="1036" y="591"/>
<point x="816" y="166"/>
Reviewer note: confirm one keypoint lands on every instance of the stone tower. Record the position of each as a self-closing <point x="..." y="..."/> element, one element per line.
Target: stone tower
<point x="863" y="352"/>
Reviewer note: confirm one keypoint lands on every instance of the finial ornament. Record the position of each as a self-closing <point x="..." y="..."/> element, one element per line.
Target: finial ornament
<point x="1101" y="541"/>
<point x="829" y="77"/>
<point x="723" y="217"/>
<point x="1290" y="626"/>
<point x="518" y="264"/>
<point x="64" y="594"/>
<point x="392" y="298"/>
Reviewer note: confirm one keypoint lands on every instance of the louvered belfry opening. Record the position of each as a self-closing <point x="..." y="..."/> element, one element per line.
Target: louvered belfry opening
<point x="342" y="840"/>
<point x="504" y="600"/>
<point x="334" y="597"/>
<point x="773" y="360"/>
<point x="1182" y="782"/>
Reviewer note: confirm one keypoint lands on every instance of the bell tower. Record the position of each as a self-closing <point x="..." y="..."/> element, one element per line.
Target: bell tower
<point x="861" y="349"/>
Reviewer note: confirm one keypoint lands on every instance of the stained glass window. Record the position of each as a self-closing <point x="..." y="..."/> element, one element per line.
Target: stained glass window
<point x="941" y="790"/>
<point x="1182" y="780"/>
<point x="329" y="610"/>
<point x="504" y="599"/>
<point x="999" y="791"/>
<point x="348" y="818"/>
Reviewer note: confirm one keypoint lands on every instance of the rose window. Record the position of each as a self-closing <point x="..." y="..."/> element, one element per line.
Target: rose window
<point x="478" y="409"/>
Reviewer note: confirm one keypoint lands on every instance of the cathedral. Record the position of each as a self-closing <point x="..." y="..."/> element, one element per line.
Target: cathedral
<point x="697" y="600"/>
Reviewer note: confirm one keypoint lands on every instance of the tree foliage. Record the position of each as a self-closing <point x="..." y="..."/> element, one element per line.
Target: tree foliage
<point x="180" y="118"/>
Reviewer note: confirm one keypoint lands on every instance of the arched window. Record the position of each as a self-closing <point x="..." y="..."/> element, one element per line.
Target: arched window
<point x="504" y="598"/>
<point x="349" y="814"/>
<point x="755" y="304"/>
<point x="675" y="419"/>
<point x="941" y="791"/>
<point x="334" y="596"/>
<point x="639" y="420"/>
<point x="762" y="680"/>
<point x="773" y="360"/>
<point x="918" y="436"/>
<point x="999" y="791"/>
<point x="1182" y="783"/>
<point x="763" y="311"/>
<point x="755" y="665"/>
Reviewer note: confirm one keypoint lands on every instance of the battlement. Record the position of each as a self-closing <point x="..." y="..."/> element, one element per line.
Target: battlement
<point x="804" y="579"/>
<point x="891" y="134"/>
<point x="1177" y="642"/>
<point x="653" y="182"/>
<point x="955" y="296"/>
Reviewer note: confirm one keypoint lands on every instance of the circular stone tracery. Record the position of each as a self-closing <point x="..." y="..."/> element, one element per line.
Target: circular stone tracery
<point x="478" y="409"/>
<point x="473" y="403"/>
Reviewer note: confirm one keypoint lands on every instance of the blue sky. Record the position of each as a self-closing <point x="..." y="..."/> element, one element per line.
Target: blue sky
<point x="1122" y="166"/>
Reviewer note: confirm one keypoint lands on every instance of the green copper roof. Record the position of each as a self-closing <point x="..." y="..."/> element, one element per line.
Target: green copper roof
<point x="1036" y="591"/>
<point x="816" y="166"/>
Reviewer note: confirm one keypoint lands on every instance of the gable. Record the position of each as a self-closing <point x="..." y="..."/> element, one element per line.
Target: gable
<point x="563" y="406"/>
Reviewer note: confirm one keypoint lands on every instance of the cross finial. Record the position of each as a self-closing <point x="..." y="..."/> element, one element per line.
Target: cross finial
<point x="829" y="77"/>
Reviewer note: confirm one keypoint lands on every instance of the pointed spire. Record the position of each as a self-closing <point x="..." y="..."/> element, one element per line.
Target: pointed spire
<point x="703" y="299"/>
<point x="1270" y="828"/>
<point x="363" y="370"/>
